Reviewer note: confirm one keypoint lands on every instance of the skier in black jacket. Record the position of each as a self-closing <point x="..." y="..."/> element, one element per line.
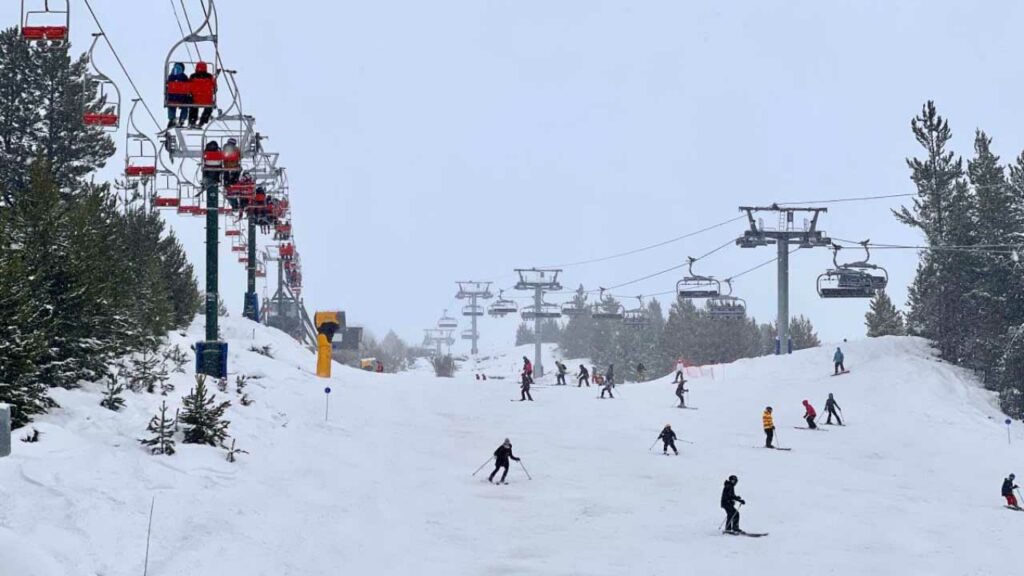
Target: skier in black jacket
<point x="584" y="376"/>
<point x="501" y="456"/>
<point x="668" y="436"/>
<point x="680" y="393"/>
<point x="1008" y="488"/>
<point x="560" y="380"/>
<point x="729" y="500"/>
<point x="831" y="406"/>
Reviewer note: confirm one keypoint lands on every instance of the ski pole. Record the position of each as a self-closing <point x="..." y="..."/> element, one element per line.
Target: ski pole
<point x="777" y="443"/>
<point x="652" y="445"/>
<point x="686" y="441"/>
<point x="524" y="470"/>
<point x="482" y="465"/>
<point x="722" y="525"/>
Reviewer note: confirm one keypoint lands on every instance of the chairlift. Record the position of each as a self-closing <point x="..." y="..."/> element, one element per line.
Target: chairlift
<point x="606" y="308"/>
<point x="854" y="279"/>
<point x="638" y="316"/>
<point x="544" y="311"/>
<point x="502" y="306"/>
<point x="167" y="190"/>
<point x="103" y="109"/>
<point x="576" y="307"/>
<point x="140" y="151"/>
<point x="695" y="287"/>
<point x="194" y="93"/>
<point x="45" y="21"/>
<point x="468" y="334"/>
<point x="471" y="310"/>
<point x="726" y="305"/>
<point x="447" y="322"/>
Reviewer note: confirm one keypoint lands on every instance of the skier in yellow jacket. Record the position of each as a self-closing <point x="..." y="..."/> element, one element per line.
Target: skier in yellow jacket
<point x="769" y="427"/>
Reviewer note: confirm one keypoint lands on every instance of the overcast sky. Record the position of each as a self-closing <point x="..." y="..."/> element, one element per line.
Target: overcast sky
<point x="429" y="142"/>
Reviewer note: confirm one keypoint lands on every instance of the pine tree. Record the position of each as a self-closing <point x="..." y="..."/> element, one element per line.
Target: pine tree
<point x="882" y="318"/>
<point x="112" y="399"/>
<point x="162" y="428"/>
<point x="148" y="372"/>
<point x="203" y="416"/>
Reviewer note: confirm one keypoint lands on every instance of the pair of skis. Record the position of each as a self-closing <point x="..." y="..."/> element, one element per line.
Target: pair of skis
<point x="742" y="533"/>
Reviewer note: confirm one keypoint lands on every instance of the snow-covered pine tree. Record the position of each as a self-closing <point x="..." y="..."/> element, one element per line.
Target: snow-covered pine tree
<point x="177" y="358"/>
<point x="203" y="417"/>
<point x="112" y="399"/>
<point x="147" y="372"/>
<point x="162" y="429"/>
<point x="882" y="318"/>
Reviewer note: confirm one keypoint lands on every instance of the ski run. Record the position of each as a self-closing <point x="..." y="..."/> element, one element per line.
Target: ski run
<point x="385" y="485"/>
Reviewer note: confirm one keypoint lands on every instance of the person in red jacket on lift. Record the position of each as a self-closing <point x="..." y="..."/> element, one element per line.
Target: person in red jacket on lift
<point x="810" y="415"/>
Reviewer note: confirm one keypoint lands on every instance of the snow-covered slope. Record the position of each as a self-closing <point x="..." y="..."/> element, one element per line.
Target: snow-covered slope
<point x="385" y="486"/>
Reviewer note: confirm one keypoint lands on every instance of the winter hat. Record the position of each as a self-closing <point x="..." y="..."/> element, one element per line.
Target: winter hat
<point x="733" y="479"/>
<point x="507" y="442"/>
<point x="1012" y="476"/>
<point x="768" y="409"/>
<point x="806" y="402"/>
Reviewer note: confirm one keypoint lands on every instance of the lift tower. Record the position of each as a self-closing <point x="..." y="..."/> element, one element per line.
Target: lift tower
<point x="474" y="291"/>
<point x="540" y="281"/>
<point x="787" y="232"/>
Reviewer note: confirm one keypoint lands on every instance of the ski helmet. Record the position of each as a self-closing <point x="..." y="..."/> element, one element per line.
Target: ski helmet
<point x="768" y="409"/>
<point x="507" y="442"/>
<point x="733" y="479"/>
<point x="806" y="402"/>
<point x="1012" y="476"/>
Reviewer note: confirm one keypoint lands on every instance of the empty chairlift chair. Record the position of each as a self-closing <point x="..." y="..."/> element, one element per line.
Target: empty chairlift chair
<point x="726" y="305"/>
<point x="544" y="311"/>
<point x="502" y="306"/>
<point x="607" y="308"/>
<point x="45" y="21"/>
<point x="140" y="151"/>
<point x="102" y="97"/>
<point x="576" y="307"/>
<point x="446" y="322"/>
<point x="695" y="287"/>
<point x="852" y="280"/>
<point x="638" y="316"/>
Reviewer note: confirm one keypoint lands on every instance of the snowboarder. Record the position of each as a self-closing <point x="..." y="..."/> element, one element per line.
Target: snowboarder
<point x="1008" y="488"/>
<point x="830" y="407"/>
<point x="680" y="370"/>
<point x="810" y="415"/>
<point x="582" y="377"/>
<point x="729" y="500"/>
<point x="837" y="358"/>
<point x="560" y="380"/>
<point x="669" y="438"/>
<point x="609" y="381"/>
<point x="680" y="393"/>
<point x="501" y="457"/>
<point x="769" y="427"/>
<point x="527" y="370"/>
<point x="525" y="389"/>
<point x="640" y="369"/>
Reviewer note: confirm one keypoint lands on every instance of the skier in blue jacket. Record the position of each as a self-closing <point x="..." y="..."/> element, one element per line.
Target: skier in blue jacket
<point x="177" y="75"/>
<point x="838" y="359"/>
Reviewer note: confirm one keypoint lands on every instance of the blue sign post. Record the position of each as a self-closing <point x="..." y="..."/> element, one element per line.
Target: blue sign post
<point x="327" y="402"/>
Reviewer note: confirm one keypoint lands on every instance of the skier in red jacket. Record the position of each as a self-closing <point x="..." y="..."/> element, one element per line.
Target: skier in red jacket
<point x="810" y="415"/>
<point x="527" y="370"/>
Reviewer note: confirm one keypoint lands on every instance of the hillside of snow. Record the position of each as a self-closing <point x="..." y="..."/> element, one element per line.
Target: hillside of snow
<point x="385" y="485"/>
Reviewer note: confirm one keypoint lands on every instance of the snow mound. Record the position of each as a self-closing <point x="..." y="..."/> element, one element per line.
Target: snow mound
<point x="385" y="486"/>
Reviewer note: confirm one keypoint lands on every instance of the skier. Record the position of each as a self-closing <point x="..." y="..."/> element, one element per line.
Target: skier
<point x="560" y="381"/>
<point x="669" y="438"/>
<point x="176" y="116"/>
<point x="525" y="389"/>
<point x="609" y="381"/>
<point x="810" y="415"/>
<point x="837" y="358"/>
<point x="830" y="407"/>
<point x="201" y="73"/>
<point x="1008" y="488"/>
<point x="501" y="456"/>
<point x="582" y="377"/>
<point x="680" y="393"/>
<point x="527" y="370"/>
<point x="640" y="369"/>
<point x="680" y="370"/>
<point x="769" y="427"/>
<point x="729" y="500"/>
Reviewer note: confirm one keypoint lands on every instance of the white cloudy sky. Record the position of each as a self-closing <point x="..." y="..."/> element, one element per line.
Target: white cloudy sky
<point x="429" y="142"/>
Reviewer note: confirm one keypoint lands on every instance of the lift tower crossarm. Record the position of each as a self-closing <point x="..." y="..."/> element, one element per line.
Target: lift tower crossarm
<point x="806" y="237"/>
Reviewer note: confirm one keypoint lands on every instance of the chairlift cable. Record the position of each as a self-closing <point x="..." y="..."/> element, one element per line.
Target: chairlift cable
<point x="181" y="28"/>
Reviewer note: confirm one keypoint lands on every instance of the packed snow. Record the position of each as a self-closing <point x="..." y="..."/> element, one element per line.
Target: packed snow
<point x="384" y="485"/>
